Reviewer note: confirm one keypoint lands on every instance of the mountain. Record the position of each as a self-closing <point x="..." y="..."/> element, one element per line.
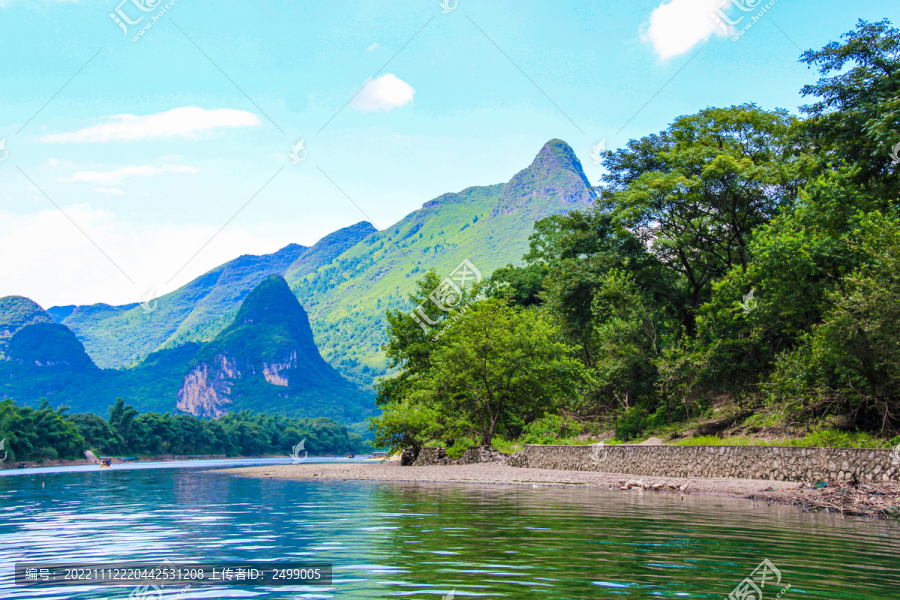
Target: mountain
<point x="267" y="360"/>
<point x="487" y="225"/>
<point x="118" y="336"/>
<point x="348" y="279"/>
<point x="37" y="355"/>
<point x="17" y="312"/>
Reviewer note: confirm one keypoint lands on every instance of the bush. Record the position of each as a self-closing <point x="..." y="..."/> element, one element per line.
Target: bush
<point x="631" y="424"/>
<point x="459" y="447"/>
<point x="552" y="429"/>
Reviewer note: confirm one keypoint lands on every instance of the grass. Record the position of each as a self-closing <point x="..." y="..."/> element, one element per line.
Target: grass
<point x="824" y="439"/>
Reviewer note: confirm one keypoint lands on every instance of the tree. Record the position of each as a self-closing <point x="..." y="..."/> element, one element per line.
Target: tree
<point x="497" y="364"/>
<point x="405" y="424"/>
<point x="694" y="193"/>
<point x="855" y="121"/>
<point x="850" y="363"/>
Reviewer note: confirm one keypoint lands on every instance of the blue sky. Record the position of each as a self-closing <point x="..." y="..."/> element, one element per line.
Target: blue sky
<point x="153" y="145"/>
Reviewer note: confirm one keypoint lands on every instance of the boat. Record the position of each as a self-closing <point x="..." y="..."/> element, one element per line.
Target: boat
<point x="105" y="462"/>
<point x="23" y="466"/>
<point x="348" y="455"/>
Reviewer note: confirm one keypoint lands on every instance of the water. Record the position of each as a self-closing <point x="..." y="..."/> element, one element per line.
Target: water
<point x="401" y="540"/>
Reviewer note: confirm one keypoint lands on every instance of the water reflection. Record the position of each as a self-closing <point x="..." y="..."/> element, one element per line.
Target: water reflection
<point x="423" y="540"/>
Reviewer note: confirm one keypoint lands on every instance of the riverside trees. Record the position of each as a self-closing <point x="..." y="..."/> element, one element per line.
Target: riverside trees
<point x="740" y="253"/>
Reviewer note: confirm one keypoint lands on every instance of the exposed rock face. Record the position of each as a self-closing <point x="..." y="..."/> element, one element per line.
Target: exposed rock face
<point x="272" y="371"/>
<point x="555" y="177"/>
<point x="206" y="391"/>
<point x="267" y="359"/>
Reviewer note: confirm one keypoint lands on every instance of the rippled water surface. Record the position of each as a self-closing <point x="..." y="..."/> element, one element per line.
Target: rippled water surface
<point x="400" y="540"/>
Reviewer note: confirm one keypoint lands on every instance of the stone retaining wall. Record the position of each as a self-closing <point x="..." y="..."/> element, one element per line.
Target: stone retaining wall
<point x="744" y="462"/>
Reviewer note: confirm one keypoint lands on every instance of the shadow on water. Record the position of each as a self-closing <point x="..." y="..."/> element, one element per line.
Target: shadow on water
<point x="411" y="540"/>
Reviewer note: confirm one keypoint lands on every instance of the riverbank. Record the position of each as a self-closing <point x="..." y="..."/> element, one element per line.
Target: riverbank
<point x="842" y="498"/>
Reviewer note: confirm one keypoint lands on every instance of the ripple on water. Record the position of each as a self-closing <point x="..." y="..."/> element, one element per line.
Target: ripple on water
<point x="424" y="540"/>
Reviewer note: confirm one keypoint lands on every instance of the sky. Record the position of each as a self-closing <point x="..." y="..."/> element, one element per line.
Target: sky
<point x="148" y="141"/>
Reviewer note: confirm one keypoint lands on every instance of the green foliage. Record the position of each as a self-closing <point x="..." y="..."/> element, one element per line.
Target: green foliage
<point x="38" y="434"/>
<point x="854" y="121"/>
<point x="631" y="424"/>
<point x="550" y="429"/>
<point x="819" y="439"/>
<point x="404" y="424"/>
<point x="459" y="447"/>
<point x="490" y="368"/>
<point x="497" y="366"/>
<point x="849" y="364"/>
<point x="47" y="434"/>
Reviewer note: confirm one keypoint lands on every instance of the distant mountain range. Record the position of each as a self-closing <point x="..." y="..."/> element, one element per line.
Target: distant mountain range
<point x="265" y="360"/>
<point x="237" y="338"/>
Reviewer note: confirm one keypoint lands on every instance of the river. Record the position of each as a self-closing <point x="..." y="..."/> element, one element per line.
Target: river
<point x="403" y="540"/>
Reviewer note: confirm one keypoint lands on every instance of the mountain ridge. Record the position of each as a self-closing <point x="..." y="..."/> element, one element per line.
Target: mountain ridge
<point x="349" y="278"/>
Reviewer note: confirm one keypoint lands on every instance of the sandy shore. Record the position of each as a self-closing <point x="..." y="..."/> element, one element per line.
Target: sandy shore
<point x="496" y="473"/>
<point x="878" y="500"/>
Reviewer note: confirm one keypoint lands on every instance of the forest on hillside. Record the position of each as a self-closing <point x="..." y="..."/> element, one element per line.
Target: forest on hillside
<point x="742" y="262"/>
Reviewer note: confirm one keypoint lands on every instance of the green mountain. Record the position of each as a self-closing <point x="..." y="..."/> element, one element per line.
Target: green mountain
<point x="348" y="279"/>
<point x="17" y="312"/>
<point x="488" y="226"/>
<point x="265" y="360"/>
<point x="118" y="336"/>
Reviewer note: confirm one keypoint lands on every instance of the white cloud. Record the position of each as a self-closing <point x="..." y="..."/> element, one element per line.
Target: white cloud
<point x="373" y="47"/>
<point x="383" y="94"/>
<point x="108" y="191"/>
<point x="57" y="265"/>
<point x="676" y="26"/>
<point x="119" y="175"/>
<point x="186" y="121"/>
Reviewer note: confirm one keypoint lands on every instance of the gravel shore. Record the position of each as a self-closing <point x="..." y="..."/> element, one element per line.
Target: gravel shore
<point x="497" y="473"/>
<point x="872" y="500"/>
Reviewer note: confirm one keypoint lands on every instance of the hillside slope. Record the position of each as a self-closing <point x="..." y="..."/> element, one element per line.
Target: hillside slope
<point x="349" y="278"/>
<point x="488" y="225"/>
<point x="118" y="336"/>
<point x="266" y="360"/>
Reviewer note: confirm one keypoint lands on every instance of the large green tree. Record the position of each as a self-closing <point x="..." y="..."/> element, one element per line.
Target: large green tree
<point x="498" y="365"/>
<point x="695" y="193"/>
